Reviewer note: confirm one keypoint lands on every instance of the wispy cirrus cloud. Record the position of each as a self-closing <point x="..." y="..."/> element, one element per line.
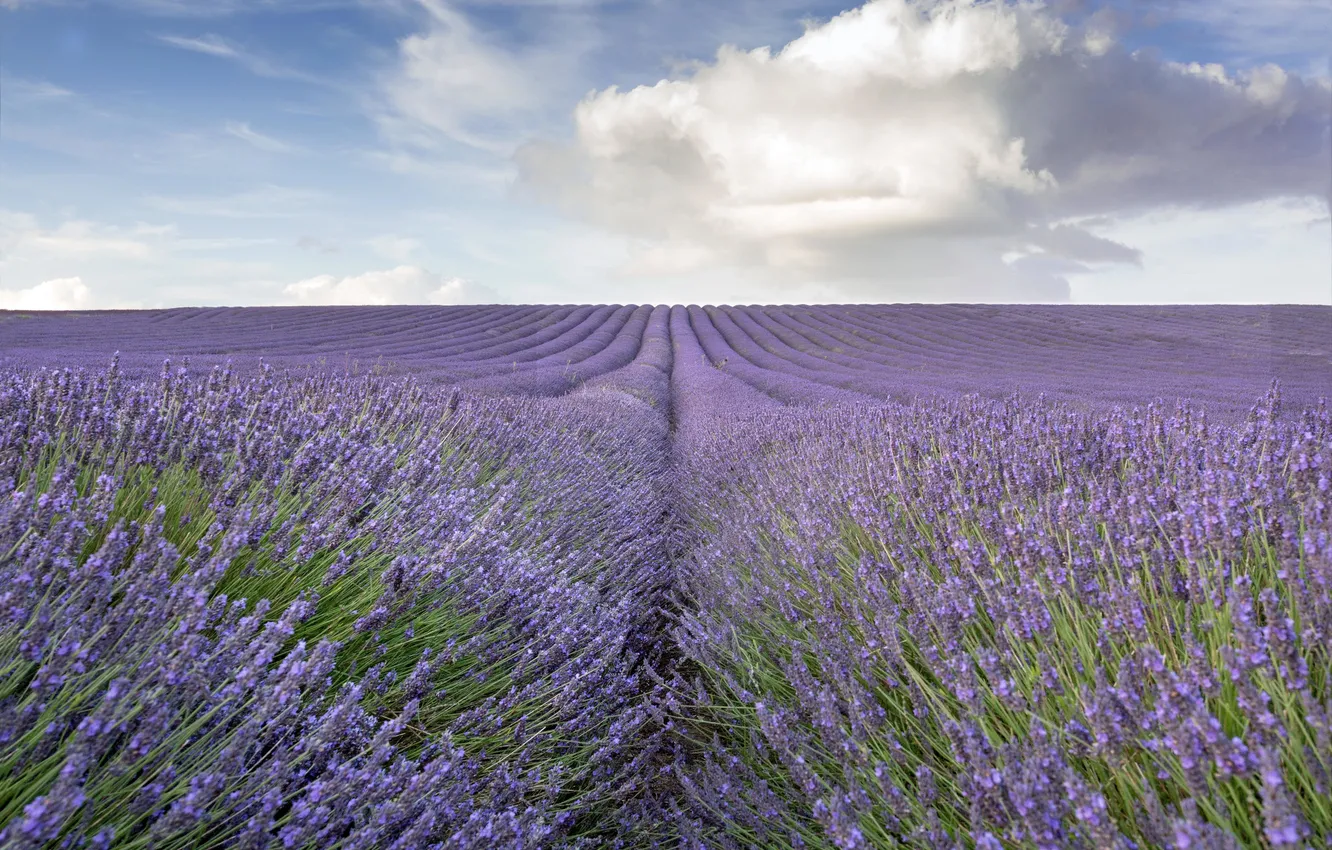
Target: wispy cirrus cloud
<point x="30" y="91"/>
<point x="455" y="82"/>
<point x="211" y="44"/>
<point x="1295" y="32"/>
<point x="21" y="234"/>
<point x="242" y="131"/>
<point x="210" y="9"/>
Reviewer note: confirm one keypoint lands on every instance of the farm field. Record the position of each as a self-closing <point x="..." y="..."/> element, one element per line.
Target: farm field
<point x="690" y="577"/>
<point x="1088" y="357"/>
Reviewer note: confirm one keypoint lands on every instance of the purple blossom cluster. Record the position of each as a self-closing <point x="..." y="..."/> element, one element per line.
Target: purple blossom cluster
<point x="966" y="623"/>
<point x="287" y="611"/>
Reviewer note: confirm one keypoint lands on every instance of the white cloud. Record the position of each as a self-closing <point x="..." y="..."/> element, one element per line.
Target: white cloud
<point x="134" y="265"/>
<point x="1101" y="29"/>
<point x="453" y="65"/>
<point x="241" y="130"/>
<point x="213" y="45"/>
<point x="891" y="40"/>
<point x="458" y="83"/>
<point x="20" y="235"/>
<point x="401" y="285"/>
<point x="905" y="148"/>
<point x="65" y="293"/>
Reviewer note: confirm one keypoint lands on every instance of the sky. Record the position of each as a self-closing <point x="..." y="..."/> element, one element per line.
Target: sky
<point x="166" y="153"/>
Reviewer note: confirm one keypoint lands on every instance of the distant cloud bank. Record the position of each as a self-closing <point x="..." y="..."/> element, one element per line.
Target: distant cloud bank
<point x="401" y="285"/>
<point x="66" y="293"/>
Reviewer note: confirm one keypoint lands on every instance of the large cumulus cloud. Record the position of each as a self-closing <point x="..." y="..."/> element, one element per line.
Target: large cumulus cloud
<point x="937" y="150"/>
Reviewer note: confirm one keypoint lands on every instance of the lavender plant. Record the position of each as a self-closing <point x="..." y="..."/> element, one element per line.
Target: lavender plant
<point x="317" y="613"/>
<point x="630" y="576"/>
<point x="972" y="624"/>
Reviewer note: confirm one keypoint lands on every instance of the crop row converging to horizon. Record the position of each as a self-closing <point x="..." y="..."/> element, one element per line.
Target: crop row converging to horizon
<point x="821" y="577"/>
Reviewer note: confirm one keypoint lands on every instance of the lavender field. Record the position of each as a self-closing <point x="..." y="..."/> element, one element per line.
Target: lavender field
<point x="689" y="577"/>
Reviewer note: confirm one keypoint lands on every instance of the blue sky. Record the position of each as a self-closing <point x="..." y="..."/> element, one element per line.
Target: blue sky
<point x="158" y="153"/>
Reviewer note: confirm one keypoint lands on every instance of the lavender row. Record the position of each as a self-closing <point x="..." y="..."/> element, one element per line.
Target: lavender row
<point x="700" y="389"/>
<point x="646" y="378"/>
<point x="1099" y="357"/>
<point x="612" y="346"/>
<point x="274" y="610"/>
<point x="569" y="331"/>
<point x="979" y="624"/>
<point x="756" y="368"/>
<point x="1092" y="358"/>
<point x="1087" y="357"/>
